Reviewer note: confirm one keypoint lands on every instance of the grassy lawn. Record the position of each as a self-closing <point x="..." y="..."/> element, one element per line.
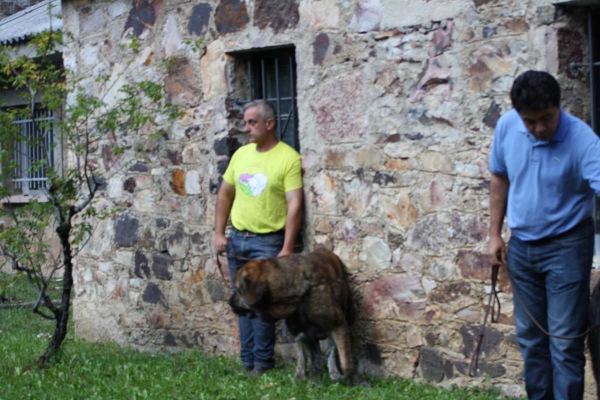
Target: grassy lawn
<point x="16" y="289"/>
<point x="94" y="371"/>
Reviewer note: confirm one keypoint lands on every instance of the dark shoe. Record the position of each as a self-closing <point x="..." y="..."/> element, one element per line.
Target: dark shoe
<point x="258" y="371"/>
<point x="247" y="368"/>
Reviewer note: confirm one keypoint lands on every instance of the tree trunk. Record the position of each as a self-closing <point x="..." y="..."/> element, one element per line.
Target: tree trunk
<point x="62" y="314"/>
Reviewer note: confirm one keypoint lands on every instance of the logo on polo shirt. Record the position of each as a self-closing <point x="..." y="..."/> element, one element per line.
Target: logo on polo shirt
<point x="555" y="159"/>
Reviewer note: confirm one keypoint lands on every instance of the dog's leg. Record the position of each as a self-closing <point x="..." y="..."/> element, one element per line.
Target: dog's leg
<point x="315" y="360"/>
<point x="341" y="337"/>
<point x="333" y="361"/>
<point x="300" y="373"/>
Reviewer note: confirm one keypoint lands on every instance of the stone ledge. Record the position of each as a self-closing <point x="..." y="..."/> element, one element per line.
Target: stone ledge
<point x="22" y="199"/>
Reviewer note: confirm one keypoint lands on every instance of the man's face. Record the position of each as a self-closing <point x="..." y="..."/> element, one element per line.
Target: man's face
<point x="257" y="128"/>
<point x="542" y="124"/>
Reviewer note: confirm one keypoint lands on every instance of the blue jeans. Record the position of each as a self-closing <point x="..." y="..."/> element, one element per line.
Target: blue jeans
<point x="553" y="279"/>
<point x="256" y="336"/>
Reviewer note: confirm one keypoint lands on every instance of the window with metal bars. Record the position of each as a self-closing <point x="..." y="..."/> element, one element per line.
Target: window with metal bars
<point x="594" y="77"/>
<point x="33" y="150"/>
<point x="271" y="76"/>
<point x="592" y="69"/>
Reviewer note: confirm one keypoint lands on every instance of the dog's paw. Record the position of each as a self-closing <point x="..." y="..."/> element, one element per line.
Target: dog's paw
<point x="364" y="383"/>
<point x="313" y="382"/>
<point x="335" y="375"/>
<point x="334" y="371"/>
<point x="359" y="380"/>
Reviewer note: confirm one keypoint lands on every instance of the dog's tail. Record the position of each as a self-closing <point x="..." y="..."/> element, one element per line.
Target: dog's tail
<point x="351" y="312"/>
<point x="593" y="338"/>
<point x="350" y="309"/>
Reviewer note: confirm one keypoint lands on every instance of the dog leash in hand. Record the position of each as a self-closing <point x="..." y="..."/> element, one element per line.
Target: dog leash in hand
<point x="473" y="366"/>
<point x="219" y="265"/>
<point x="520" y="300"/>
<point x="494" y="307"/>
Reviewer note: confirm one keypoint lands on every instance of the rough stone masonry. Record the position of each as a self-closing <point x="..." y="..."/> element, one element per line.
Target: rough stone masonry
<point x="397" y="100"/>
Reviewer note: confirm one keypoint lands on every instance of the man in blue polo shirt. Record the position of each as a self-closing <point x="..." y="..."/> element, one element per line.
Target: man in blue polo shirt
<point x="545" y="168"/>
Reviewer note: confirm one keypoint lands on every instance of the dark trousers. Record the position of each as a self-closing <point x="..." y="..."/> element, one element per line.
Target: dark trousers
<point x="257" y="337"/>
<point x="553" y="279"/>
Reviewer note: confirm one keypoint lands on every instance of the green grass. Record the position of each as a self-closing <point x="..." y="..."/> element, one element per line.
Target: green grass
<point x="94" y="371"/>
<point x="17" y="289"/>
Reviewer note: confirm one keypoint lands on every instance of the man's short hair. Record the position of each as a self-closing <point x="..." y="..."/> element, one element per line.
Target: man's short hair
<point x="265" y="109"/>
<point x="535" y="90"/>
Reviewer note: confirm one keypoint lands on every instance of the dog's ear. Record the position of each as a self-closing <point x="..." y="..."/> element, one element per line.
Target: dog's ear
<point x="255" y="291"/>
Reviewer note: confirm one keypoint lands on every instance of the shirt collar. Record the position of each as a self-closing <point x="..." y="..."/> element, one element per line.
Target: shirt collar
<point x="562" y="129"/>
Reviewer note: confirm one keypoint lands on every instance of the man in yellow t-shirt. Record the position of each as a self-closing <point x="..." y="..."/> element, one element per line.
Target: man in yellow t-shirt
<point x="262" y="190"/>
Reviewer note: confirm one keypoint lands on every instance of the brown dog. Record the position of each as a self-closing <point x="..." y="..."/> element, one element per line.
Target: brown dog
<point x="311" y="293"/>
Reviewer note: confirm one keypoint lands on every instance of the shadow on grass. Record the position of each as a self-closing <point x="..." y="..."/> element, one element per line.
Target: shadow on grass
<point x="83" y="370"/>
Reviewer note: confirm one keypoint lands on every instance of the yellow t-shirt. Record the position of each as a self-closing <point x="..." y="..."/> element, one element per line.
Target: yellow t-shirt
<point x="261" y="181"/>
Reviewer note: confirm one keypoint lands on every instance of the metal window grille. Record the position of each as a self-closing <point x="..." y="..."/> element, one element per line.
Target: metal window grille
<point x="34" y="146"/>
<point x="593" y="69"/>
<point x="271" y="76"/>
<point x="593" y="20"/>
<point x="594" y="63"/>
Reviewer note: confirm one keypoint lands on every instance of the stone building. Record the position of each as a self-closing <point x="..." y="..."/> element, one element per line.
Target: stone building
<point x="392" y="105"/>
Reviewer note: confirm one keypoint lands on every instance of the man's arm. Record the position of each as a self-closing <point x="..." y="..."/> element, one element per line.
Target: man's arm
<point x="498" y="197"/>
<point x="293" y="221"/>
<point x="225" y="199"/>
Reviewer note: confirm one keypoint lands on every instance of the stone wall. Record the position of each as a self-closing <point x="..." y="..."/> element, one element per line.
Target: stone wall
<point x="397" y="101"/>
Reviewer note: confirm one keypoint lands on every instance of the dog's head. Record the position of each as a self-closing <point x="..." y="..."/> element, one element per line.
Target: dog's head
<point x="237" y="305"/>
<point x="251" y="289"/>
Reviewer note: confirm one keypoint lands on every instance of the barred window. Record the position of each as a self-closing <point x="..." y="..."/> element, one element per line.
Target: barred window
<point x="588" y="69"/>
<point x="271" y="75"/>
<point x="33" y="151"/>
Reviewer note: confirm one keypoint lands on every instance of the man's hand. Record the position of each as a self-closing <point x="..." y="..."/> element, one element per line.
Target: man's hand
<point x="225" y="199"/>
<point x="219" y="243"/>
<point x="497" y="250"/>
<point x="284" y="252"/>
<point x="293" y="221"/>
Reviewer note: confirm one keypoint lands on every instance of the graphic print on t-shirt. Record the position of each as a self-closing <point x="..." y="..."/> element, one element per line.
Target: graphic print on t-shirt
<point x="253" y="185"/>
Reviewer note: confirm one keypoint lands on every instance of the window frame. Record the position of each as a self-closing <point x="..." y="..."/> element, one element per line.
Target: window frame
<point x="18" y="195"/>
<point x="24" y="183"/>
<point x="593" y="68"/>
<point x="255" y="61"/>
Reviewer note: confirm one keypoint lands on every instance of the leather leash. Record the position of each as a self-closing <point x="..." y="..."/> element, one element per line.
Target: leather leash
<point x="493" y="301"/>
<point x="473" y="366"/>
<point x="588" y="330"/>
<point x="219" y="265"/>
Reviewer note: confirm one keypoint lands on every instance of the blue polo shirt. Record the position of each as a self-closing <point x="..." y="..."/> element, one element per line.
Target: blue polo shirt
<point x="552" y="182"/>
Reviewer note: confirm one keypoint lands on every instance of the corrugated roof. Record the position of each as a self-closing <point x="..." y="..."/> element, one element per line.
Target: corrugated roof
<point x="30" y="21"/>
<point x="577" y="3"/>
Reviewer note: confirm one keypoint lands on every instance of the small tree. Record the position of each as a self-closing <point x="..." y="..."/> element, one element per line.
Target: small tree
<point x="87" y="129"/>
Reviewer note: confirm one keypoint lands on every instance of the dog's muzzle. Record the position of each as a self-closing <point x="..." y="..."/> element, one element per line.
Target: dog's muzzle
<point x="238" y="309"/>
